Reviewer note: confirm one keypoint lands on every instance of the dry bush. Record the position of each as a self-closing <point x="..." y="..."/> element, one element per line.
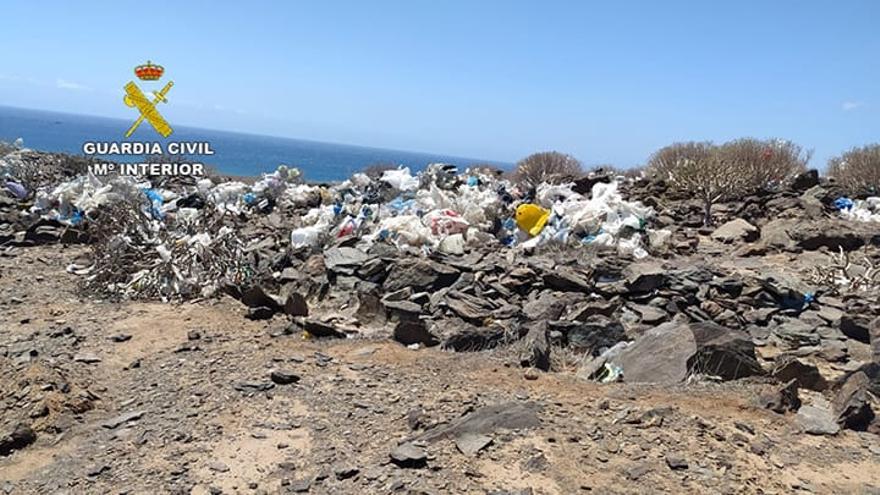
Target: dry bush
<point x="765" y="164"/>
<point x="858" y="170"/>
<point x="714" y="173"/>
<point x="848" y="273"/>
<point x="548" y="166"/>
<point x="695" y="167"/>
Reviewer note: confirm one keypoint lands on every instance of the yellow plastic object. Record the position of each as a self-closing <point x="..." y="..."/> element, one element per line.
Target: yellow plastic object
<point x="531" y="218"/>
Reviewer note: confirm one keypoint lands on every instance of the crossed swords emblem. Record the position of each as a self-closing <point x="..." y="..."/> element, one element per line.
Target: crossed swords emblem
<point x="134" y="97"/>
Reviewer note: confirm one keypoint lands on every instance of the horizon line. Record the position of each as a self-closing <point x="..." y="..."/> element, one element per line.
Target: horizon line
<point x="273" y="136"/>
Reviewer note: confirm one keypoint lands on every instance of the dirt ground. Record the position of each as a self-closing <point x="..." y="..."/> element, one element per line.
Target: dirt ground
<point x="145" y="398"/>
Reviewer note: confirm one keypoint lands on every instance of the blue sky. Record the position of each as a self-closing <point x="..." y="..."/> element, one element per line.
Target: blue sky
<point x="608" y="82"/>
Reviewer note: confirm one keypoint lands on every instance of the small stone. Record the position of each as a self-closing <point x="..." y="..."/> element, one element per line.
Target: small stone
<point x="346" y="472"/>
<point x="409" y="456"/>
<point x="283" y="377"/>
<point x="531" y="374"/>
<point x="676" y="462"/>
<point x="219" y="467"/>
<point x="87" y="358"/>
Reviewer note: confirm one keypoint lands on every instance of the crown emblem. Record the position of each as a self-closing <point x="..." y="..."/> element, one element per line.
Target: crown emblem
<point x="149" y="71"/>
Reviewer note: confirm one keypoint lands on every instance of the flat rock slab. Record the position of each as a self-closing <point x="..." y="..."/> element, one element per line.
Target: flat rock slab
<point x="487" y="420"/>
<point x="408" y="455"/>
<point x="122" y="419"/>
<point x="469" y="444"/>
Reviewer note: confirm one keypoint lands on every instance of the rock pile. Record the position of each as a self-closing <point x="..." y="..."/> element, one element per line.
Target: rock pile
<point x="637" y="289"/>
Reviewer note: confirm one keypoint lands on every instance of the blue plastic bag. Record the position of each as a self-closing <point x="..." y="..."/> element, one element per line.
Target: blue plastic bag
<point x="843" y="203"/>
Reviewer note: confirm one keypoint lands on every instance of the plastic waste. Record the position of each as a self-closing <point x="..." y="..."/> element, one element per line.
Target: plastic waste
<point x="531" y="218"/>
<point x="16" y="189"/>
<point x="843" y="203"/>
<point x="867" y="210"/>
<point x="400" y="179"/>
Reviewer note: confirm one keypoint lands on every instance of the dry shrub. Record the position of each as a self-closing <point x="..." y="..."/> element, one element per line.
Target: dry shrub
<point x="765" y="164"/>
<point x="848" y="273"/>
<point x="714" y="173"/>
<point x="548" y="166"/>
<point x="858" y="170"/>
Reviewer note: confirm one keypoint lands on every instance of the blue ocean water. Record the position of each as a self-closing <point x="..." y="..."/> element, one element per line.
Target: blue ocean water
<point x="234" y="153"/>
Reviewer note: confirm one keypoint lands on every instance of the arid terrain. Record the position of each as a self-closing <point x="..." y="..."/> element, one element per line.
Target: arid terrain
<point x="725" y="360"/>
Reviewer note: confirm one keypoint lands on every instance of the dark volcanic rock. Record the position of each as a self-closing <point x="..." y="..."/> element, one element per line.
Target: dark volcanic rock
<point x="17" y="438"/>
<point x="594" y="333"/>
<point x="420" y="275"/>
<point x="782" y="399"/>
<point x="487" y="420"/>
<point x="320" y="329"/>
<point x="645" y="276"/>
<point x="723" y="352"/>
<point x="409" y="332"/>
<point x="736" y="230"/>
<point x="257" y="297"/>
<point x="567" y="278"/>
<point x="536" y="348"/>
<point x="295" y="305"/>
<point x="851" y="405"/>
<point x="260" y="313"/>
<point x="855" y="328"/>
<point x="463" y="337"/>
<point x="283" y="377"/>
<point x="807" y="376"/>
<point x="408" y="455"/>
<point x="805" y="180"/>
<point x="670" y="352"/>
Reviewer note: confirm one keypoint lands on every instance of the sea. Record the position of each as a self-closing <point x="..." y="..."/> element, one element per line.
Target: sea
<point x="234" y="153"/>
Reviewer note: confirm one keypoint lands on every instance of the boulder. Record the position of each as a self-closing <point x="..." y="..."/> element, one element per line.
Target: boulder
<point x="669" y="353"/>
<point x="594" y="333"/>
<point x="807" y="376"/>
<point x="645" y="276"/>
<point x="409" y="332"/>
<point x="420" y="275"/>
<point x="736" y="230"/>
<point x="851" y="404"/>
<point x="660" y="355"/>
<point x="723" y="352"/>
<point x="344" y="259"/>
<point x="817" y="420"/>
<point x="17" y="438"/>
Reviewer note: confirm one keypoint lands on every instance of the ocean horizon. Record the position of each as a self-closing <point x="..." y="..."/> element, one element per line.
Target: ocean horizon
<point x="235" y="153"/>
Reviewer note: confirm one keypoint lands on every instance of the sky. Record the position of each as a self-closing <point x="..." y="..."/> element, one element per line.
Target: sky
<point x="608" y="82"/>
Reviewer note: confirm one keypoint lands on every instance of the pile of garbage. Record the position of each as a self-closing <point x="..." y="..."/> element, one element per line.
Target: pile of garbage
<point x="860" y="210"/>
<point x="152" y="240"/>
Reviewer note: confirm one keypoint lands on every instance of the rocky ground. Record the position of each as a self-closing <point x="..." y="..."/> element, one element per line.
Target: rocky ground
<point x="734" y="359"/>
<point x="157" y="398"/>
